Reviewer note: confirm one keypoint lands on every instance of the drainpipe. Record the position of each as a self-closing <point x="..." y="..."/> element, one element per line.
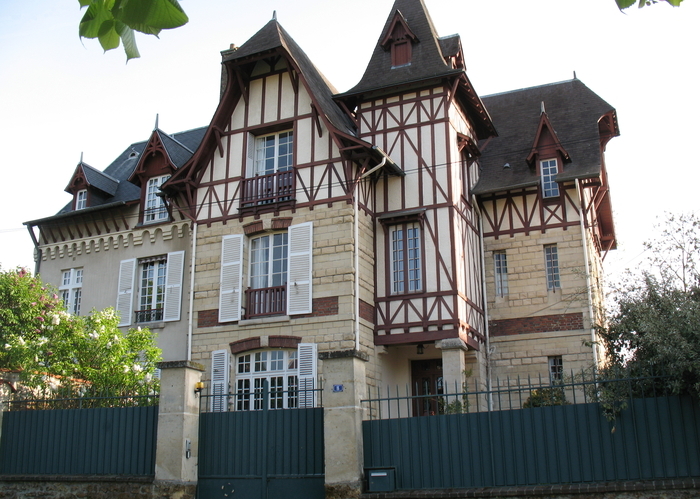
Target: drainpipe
<point x="584" y="240"/>
<point x="37" y="265"/>
<point x="190" y="322"/>
<point x="482" y="254"/>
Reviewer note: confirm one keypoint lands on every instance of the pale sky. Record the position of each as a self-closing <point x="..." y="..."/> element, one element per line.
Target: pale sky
<point x="60" y="97"/>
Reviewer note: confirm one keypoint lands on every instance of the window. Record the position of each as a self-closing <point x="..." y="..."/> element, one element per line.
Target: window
<point x="549" y="170"/>
<point x="151" y="289"/>
<point x="278" y="278"/>
<point x="551" y="259"/>
<point x="81" y="200"/>
<point x="279" y="368"/>
<point x="273" y="153"/>
<point x="156" y="210"/>
<point x="501" y="273"/>
<point x="158" y="282"/>
<point x="556" y="369"/>
<point x="71" y="290"/>
<point x="406" y="271"/>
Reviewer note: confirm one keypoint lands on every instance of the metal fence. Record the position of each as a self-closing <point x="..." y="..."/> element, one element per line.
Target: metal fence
<point x="525" y="433"/>
<point x="80" y="436"/>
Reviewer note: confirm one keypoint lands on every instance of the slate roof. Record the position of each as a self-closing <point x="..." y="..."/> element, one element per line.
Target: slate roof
<point x="427" y="57"/>
<point x="573" y="110"/>
<point x="273" y="36"/>
<point x="180" y="147"/>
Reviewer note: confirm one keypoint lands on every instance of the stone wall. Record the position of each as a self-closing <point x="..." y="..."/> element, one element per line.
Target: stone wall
<point x="93" y="488"/>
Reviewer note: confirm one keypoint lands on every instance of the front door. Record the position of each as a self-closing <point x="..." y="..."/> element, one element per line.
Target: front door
<point x="426" y="380"/>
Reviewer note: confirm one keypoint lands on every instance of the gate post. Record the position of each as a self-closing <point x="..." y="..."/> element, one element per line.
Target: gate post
<point x="345" y="385"/>
<point x="178" y="423"/>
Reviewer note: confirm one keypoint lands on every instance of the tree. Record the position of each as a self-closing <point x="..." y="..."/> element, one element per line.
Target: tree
<point x="654" y="325"/>
<point x="112" y="21"/>
<point x="624" y="4"/>
<point x="51" y="348"/>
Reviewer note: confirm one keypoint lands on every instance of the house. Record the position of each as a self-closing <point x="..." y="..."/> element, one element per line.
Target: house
<point x="120" y="243"/>
<point x="404" y="232"/>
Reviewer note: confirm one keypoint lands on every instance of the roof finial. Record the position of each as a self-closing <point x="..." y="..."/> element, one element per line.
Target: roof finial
<point x="81" y="157"/>
<point x="575" y="75"/>
<point x="542" y="109"/>
<point x="156" y="128"/>
<point x="274" y="15"/>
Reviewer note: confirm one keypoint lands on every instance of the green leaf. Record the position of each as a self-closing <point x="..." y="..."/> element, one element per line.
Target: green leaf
<point x="84" y="3"/>
<point x="675" y="3"/>
<point x="624" y="4"/>
<point x="129" y="41"/>
<point x="108" y="36"/>
<point x="148" y="16"/>
<point x="95" y="15"/>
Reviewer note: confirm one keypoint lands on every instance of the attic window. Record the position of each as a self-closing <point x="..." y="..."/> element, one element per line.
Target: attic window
<point x="401" y="53"/>
<point x="81" y="200"/>
<point x="399" y="40"/>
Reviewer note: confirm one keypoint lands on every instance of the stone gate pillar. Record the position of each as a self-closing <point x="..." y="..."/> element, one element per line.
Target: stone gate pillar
<point x="345" y="385"/>
<point x="178" y="423"/>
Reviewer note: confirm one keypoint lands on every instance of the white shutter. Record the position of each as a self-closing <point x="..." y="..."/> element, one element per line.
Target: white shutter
<point x="307" y="353"/>
<point x="299" y="269"/>
<point x="219" y="380"/>
<point x="231" y="278"/>
<point x="173" y="286"/>
<point x="125" y="291"/>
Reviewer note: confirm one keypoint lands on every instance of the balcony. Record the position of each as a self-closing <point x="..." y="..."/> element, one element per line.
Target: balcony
<point x="263" y="192"/>
<point x="262" y="302"/>
<point x="152" y="315"/>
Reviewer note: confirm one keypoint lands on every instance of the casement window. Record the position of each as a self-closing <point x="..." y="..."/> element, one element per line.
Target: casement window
<point x="273" y="152"/>
<point x="71" y="290"/>
<point x="500" y="273"/>
<point x="155" y="284"/>
<point x="406" y="258"/>
<point x="290" y="376"/>
<point x="401" y="53"/>
<point x="277" y="279"/>
<point x="548" y="172"/>
<point x="269" y="172"/>
<point x="156" y="210"/>
<point x="551" y="261"/>
<point x="556" y="369"/>
<point x="81" y="199"/>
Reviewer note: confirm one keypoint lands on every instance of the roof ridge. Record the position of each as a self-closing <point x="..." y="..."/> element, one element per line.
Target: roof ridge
<point x="531" y="88"/>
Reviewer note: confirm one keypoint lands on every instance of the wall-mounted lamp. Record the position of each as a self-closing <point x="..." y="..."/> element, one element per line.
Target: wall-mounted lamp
<point x="419" y="349"/>
<point x="198" y="387"/>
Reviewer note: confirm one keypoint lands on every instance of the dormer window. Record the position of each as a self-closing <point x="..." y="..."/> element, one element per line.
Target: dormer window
<point x="156" y="210"/>
<point x="548" y="172"/>
<point x="81" y="199"/>
<point x="399" y="40"/>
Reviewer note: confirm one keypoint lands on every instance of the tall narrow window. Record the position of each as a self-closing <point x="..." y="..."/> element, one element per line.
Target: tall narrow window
<point x="548" y="171"/>
<point x="551" y="259"/>
<point x="81" y="200"/>
<point x="151" y="289"/>
<point x="155" y="207"/>
<point x="267" y="294"/>
<point x="72" y="290"/>
<point x="556" y="369"/>
<point x="501" y="273"/>
<point x="273" y="153"/>
<point x="406" y="269"/>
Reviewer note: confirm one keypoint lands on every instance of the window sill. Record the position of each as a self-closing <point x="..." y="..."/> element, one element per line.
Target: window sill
<point x="150" y="325"/>
<point x="264" y="320"/>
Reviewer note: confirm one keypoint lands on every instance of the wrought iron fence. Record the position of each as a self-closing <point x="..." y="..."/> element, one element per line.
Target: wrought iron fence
<point x="81" y="397"/>
<point x="263" y="397"/>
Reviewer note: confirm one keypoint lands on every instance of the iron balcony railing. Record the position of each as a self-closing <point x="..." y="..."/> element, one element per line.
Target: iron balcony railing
<point x="267" y="189"/>
<point x="265" y="301"/>
<point x="152" y="315"/>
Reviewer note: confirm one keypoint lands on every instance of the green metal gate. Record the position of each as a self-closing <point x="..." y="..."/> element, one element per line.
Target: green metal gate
<point x="266" y="454"/>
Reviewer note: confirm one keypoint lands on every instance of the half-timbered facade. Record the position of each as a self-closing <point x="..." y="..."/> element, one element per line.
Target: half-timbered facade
<point x="404" y="232"/>
<point x="118" y="244"/>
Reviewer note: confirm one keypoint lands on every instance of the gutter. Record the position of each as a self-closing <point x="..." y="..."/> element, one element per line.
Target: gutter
<point x="482" y="254"/>
<point x="584" y="243"/>
<point x="190" y="319"/>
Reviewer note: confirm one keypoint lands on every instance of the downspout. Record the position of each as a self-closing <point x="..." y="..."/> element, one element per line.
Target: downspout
<point x="37" y="264"/>
<point x="584" y="240"/>
<point x="190" y="321"/>
<point x="356" y="209"/>
<point x="486" y="302"/>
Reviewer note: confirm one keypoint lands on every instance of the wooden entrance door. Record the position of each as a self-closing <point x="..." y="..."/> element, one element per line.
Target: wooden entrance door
<point x="426" y="380"/>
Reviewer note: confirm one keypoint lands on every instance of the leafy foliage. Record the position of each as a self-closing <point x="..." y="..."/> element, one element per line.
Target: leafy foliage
<point x="51" y="348"/>
<point x="112" y="21"/>
<point x="654" y="326"/>
<point x="543" y="397"/>
<point x="624" y="4"/>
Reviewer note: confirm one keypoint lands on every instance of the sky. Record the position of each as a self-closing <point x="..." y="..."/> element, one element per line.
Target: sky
<point x="61" y="96"/>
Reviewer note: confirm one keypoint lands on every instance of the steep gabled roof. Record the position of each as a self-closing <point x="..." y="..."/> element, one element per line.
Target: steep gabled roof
<point x="427" y="58"/>
<point x="573" y="111"/>
<point x="94" y="179"/>
<point x="273" y="36"/>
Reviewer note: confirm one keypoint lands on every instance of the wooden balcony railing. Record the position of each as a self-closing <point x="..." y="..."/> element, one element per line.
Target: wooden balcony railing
<point x="265" y="301"/>
<point x="268" y="189"/>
